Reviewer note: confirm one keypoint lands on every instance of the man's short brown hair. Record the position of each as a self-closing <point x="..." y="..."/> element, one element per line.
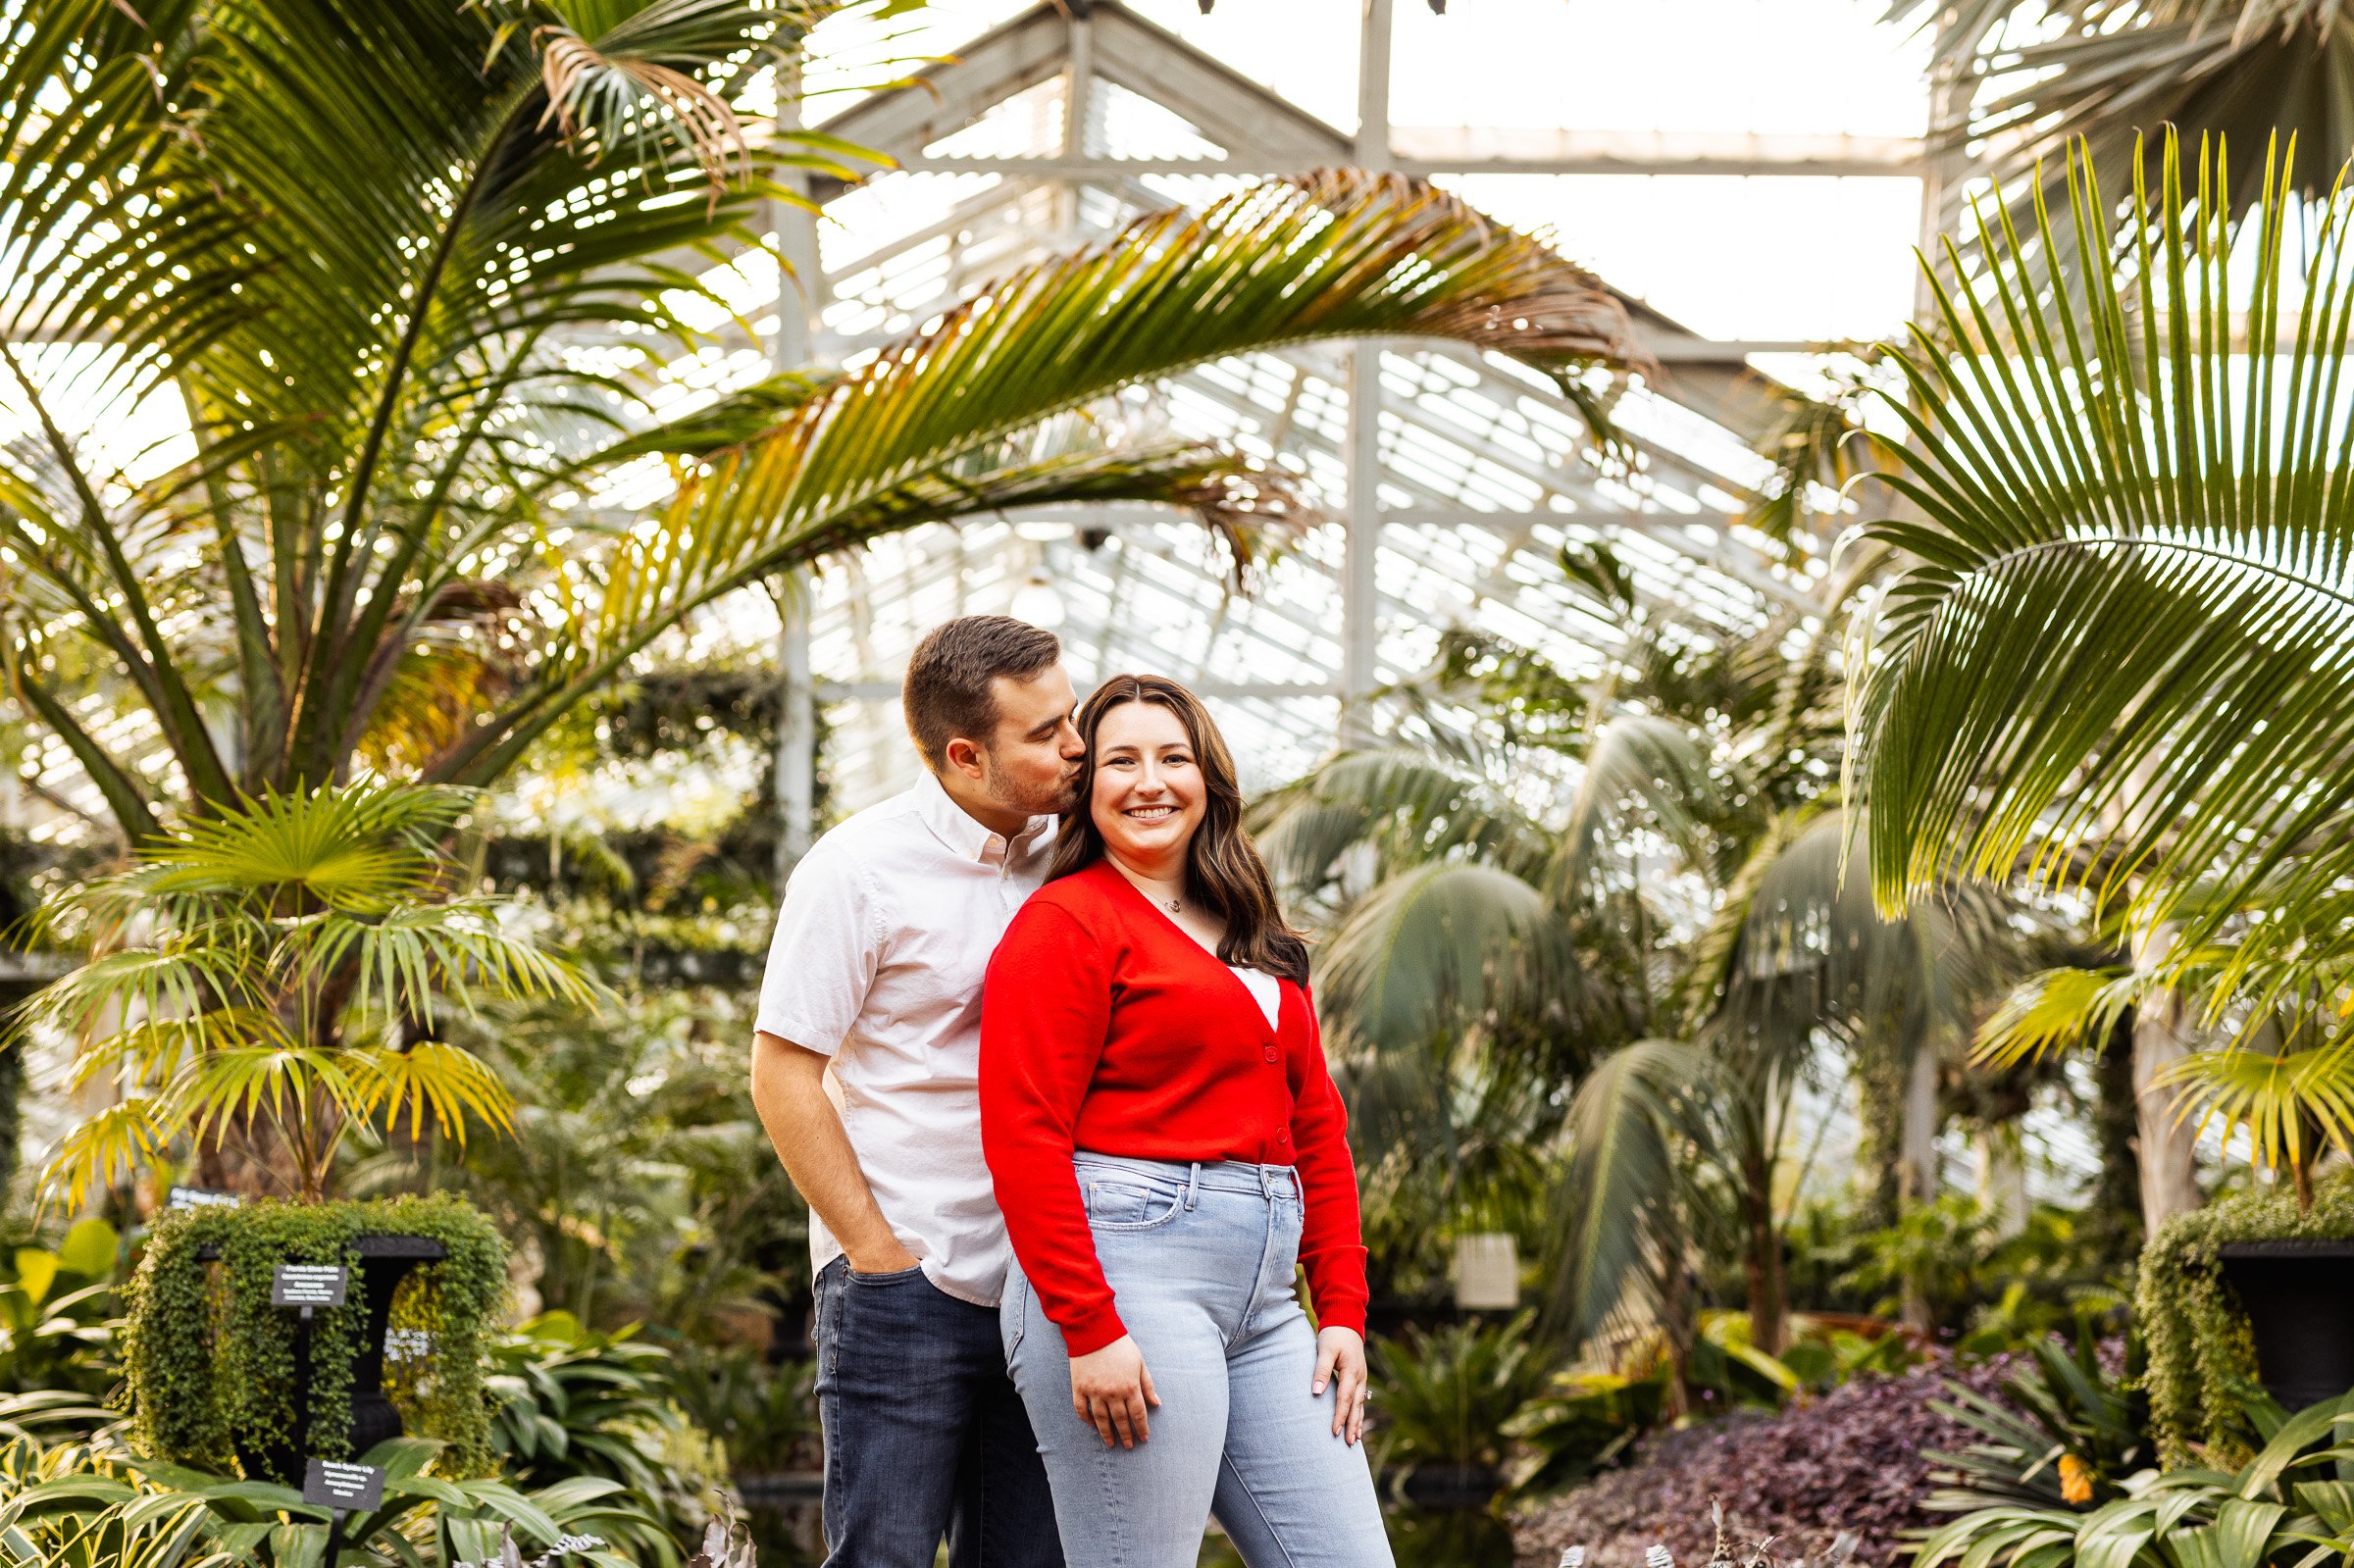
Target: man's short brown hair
<point x="947" y="691"/>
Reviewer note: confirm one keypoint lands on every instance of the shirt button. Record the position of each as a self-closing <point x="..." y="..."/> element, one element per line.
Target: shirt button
<point x="1274" y="1055"/>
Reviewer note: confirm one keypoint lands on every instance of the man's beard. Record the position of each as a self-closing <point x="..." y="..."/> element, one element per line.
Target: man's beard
<point x="1051" y="800"/>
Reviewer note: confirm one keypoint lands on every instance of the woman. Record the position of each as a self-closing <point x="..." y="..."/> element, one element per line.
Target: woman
<point x="1167" y="1144"/>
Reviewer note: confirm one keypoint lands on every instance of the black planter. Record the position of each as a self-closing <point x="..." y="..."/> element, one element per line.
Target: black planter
<point x="384" y="1261"/>
<point x="1443" y="1487"/>
<point x="2299" y="1297"/>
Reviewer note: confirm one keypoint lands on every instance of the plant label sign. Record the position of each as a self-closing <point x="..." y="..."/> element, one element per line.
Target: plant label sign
<point x="308" y="1285"/>
<point x="355" y="1489"/>
<point x="200" y="1198"/>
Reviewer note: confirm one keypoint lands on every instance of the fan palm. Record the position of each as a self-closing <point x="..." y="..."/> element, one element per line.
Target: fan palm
<point x="2103" y="73"/>
<point x="276" y="974"/>
<point x="404" y="263"/>
<point x="2118" y="661"/>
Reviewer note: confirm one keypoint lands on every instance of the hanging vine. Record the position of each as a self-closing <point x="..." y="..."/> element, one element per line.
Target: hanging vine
<point x="210" y="1365"/>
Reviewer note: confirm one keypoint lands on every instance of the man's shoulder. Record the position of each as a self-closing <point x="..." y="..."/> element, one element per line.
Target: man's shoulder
<point x="884" y="825"/>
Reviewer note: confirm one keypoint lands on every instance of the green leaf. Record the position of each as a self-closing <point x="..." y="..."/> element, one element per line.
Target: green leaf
<point x="90" y="1249"/>
<point x="36" y="1271"/>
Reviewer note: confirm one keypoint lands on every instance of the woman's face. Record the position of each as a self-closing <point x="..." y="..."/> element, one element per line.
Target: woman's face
<point x="1148" y="795"/>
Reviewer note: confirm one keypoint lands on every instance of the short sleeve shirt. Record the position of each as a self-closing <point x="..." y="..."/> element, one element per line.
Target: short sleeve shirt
<point x="879" y="950"/>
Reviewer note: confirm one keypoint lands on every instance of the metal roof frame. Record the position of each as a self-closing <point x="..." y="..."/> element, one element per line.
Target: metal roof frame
<point x="1475" y="473"/>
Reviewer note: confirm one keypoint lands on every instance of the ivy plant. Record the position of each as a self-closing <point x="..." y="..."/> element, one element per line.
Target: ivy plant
<point x="2202" y="1358"/>
<point x="210" y="1365"/>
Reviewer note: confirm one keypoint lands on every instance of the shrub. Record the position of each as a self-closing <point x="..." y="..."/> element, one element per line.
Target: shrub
<point x="574" y="1402"/>
<point x="1853" y="1461"/>
<point x="2286" y="1505"/>
<point x="1447" y="1394"/>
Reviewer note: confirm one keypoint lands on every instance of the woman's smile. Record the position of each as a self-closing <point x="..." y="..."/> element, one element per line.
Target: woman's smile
<point x="1148" y="795"/>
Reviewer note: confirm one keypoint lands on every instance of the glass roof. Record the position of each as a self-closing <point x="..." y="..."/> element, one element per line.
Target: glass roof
<point x="1486" y="473"/>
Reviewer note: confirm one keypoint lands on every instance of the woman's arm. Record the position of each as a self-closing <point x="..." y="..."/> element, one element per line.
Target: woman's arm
<point x="1045" y="1009"/>
<point x="1331" y="1241"/>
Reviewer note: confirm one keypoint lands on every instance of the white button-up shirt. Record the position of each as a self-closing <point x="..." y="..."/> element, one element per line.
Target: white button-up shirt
<point x="879" y="948"/>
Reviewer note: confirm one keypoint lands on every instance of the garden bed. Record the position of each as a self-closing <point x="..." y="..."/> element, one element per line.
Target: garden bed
<point x="1849" y="1462"/>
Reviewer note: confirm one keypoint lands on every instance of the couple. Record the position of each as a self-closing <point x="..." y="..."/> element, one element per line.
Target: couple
<point x="1056" y="1095"/>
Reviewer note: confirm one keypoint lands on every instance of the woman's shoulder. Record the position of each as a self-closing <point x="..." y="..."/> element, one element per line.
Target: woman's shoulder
<point x="1094" y="887"/>
<point x="1083" y="898"/>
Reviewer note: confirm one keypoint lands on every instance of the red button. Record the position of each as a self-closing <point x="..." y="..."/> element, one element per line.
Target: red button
<point x="1274" y="1055"/>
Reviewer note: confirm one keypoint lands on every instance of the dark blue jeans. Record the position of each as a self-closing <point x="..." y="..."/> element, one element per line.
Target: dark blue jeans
<point x="925" y="1434"/>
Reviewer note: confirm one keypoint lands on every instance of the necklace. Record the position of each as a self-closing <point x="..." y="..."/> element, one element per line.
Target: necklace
<point x="1176" y="907"/>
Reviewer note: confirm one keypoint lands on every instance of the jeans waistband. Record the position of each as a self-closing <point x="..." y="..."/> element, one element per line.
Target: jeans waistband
<point x="1199" y="1176"/>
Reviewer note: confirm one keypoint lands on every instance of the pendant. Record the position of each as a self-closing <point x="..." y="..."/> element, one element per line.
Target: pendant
<point x="1176" y="904"/>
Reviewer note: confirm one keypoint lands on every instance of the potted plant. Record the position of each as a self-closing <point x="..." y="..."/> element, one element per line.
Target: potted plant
<point x="262" y="985"/>
<point x="2284" y="1079"/>
<point x="2256" y="1288"/>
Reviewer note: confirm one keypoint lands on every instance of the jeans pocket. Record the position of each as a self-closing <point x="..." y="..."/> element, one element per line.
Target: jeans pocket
<point x="894" y="1277"/>
<point x="1130" y="1204"/>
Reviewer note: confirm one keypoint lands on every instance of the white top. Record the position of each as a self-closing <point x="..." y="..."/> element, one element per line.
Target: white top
<point x="879" y="948"/>
<point x="1265" y="990"/>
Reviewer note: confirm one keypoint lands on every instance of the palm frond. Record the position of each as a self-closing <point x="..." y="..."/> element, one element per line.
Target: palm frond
<point x="1338" y="254"/>
<point x="122" y="1139"/>
<point x="2284" y="1100"/>
<point x="448" y="1081"/>
<point x="1442" y="948"/>
<point x="2124" y="656"/>
<point x="1656" y="769"/>
<point x="2104" y="75"/>
<point x="1625" y="1142"/>
<point x="2058" y="1009"/>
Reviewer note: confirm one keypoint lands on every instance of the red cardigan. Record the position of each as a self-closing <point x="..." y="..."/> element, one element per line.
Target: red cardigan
<point x="1105" y="1028"/>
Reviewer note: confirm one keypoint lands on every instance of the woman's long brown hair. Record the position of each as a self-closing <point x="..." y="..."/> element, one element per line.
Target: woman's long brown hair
<point x="1222" y="868"/>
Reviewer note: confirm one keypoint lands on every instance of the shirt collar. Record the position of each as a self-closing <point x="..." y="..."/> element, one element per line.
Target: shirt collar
<point x="965" y="837"/>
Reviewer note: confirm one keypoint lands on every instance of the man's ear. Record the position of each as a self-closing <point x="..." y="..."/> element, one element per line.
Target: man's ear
<point x="965" y="757"/>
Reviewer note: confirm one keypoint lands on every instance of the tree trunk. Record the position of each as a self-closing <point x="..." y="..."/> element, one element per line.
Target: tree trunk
<point x="2112" y="1217"/>
<point x="1917" y="1171"/>
<point x="2166" y="1143"/>
<point x="1679" y="1329"/>
<point x="2003" y="1178"/>
<point x="1880" y="1111"/>
<point x="1918" y="1174"/>
<point x="1763" y="1265"/>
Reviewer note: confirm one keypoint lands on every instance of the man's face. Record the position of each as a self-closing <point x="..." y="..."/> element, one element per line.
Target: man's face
<point x="1031" y="765"/>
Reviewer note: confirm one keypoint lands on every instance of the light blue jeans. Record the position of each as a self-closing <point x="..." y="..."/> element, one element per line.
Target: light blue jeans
<point x="1201" y="1260"/>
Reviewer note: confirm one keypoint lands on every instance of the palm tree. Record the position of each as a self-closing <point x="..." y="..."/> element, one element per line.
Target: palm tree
<point x="2106" y="72"/>
<point x="403" y="263"/>
<point x="1488" y="946"/>
<point x="278" y="973"/>
<point x="2116" y="662"/>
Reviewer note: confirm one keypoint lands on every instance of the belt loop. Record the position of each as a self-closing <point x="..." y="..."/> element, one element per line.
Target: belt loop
<point x="1193" y="1185"/>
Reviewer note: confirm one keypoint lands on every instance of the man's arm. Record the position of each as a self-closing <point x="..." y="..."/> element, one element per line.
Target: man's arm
<point x="788" y="1091"/>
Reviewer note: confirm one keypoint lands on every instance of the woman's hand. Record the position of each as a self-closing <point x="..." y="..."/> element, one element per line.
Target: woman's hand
<point x="1341" y="1360"/>
<point x="1110" y="1388"/>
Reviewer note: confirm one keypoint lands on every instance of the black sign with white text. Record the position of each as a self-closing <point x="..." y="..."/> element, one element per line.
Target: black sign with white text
<point x="308" y="1285"/>
<point x="355" y="1489"/>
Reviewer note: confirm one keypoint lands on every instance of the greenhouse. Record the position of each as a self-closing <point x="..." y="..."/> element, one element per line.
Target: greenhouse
<point x="1176" y="782"/>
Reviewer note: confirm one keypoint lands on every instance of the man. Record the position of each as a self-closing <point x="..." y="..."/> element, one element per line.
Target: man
<point x="864" y="1066"/>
